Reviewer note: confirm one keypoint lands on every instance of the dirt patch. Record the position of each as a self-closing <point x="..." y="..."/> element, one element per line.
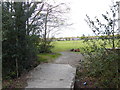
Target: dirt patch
<point x="20" y="82"/>
<point x="84" y="81"/>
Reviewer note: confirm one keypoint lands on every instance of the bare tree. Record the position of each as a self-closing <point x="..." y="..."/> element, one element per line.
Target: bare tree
<point x="53" y="18"/>
<point x="50" y="19"/>
<point x="106" y="27"/>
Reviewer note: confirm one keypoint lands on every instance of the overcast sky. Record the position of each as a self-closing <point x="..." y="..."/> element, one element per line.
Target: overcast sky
<point x="79" y="9"/>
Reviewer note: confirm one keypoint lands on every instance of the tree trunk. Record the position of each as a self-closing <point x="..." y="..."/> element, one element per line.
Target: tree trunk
<point x="45" y="34"/>
<point x="113" y="36"/>
<point x="17" y="72"/>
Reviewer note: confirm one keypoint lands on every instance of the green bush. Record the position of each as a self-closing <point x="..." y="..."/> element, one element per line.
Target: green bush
<point x="45" y="47"/>
<point x="18" y="45"/>
<point x="102" y="63"/>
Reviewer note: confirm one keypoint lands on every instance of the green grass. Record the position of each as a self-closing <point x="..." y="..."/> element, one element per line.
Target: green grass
<point x="60" y="46"/>
<point x="47" y="57"/>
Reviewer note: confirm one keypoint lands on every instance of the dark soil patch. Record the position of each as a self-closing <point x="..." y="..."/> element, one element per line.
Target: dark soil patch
<point x="80" y="83"/>
<point x="84" y="81"/>
<point x="20" y="82"/>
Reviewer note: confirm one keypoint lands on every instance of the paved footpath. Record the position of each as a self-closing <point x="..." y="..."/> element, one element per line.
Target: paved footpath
<point x="59" y="74"/>
<point x="70" y="58"/>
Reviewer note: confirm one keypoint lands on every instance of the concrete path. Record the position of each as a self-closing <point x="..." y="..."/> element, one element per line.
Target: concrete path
<point x="52" y="76"/>
<point x="70" y="58"/>
<point x="59" y="74"/>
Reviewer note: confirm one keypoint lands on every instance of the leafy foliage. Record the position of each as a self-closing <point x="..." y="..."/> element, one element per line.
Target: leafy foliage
<point x="25" y="34"/>
<point x="101" y="62"/>
<point x="19" y="47"/>
<point x="45" y="46"/>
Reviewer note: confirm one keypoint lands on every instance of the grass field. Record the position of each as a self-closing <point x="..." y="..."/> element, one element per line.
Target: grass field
<point x="60" y="46"/>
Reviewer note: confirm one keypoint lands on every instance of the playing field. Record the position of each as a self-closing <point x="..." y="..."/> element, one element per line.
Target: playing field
<point x="67" y="45"/>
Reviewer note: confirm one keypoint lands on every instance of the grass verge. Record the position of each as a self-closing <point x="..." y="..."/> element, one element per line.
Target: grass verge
<point x="47" y="57"/>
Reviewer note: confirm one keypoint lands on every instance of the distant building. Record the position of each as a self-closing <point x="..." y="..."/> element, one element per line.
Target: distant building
<point x="75" y="39"/>
<point x="62" y="39"/>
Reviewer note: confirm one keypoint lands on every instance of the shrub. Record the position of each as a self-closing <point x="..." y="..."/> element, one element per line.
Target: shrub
<point x="102" y="63"/>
